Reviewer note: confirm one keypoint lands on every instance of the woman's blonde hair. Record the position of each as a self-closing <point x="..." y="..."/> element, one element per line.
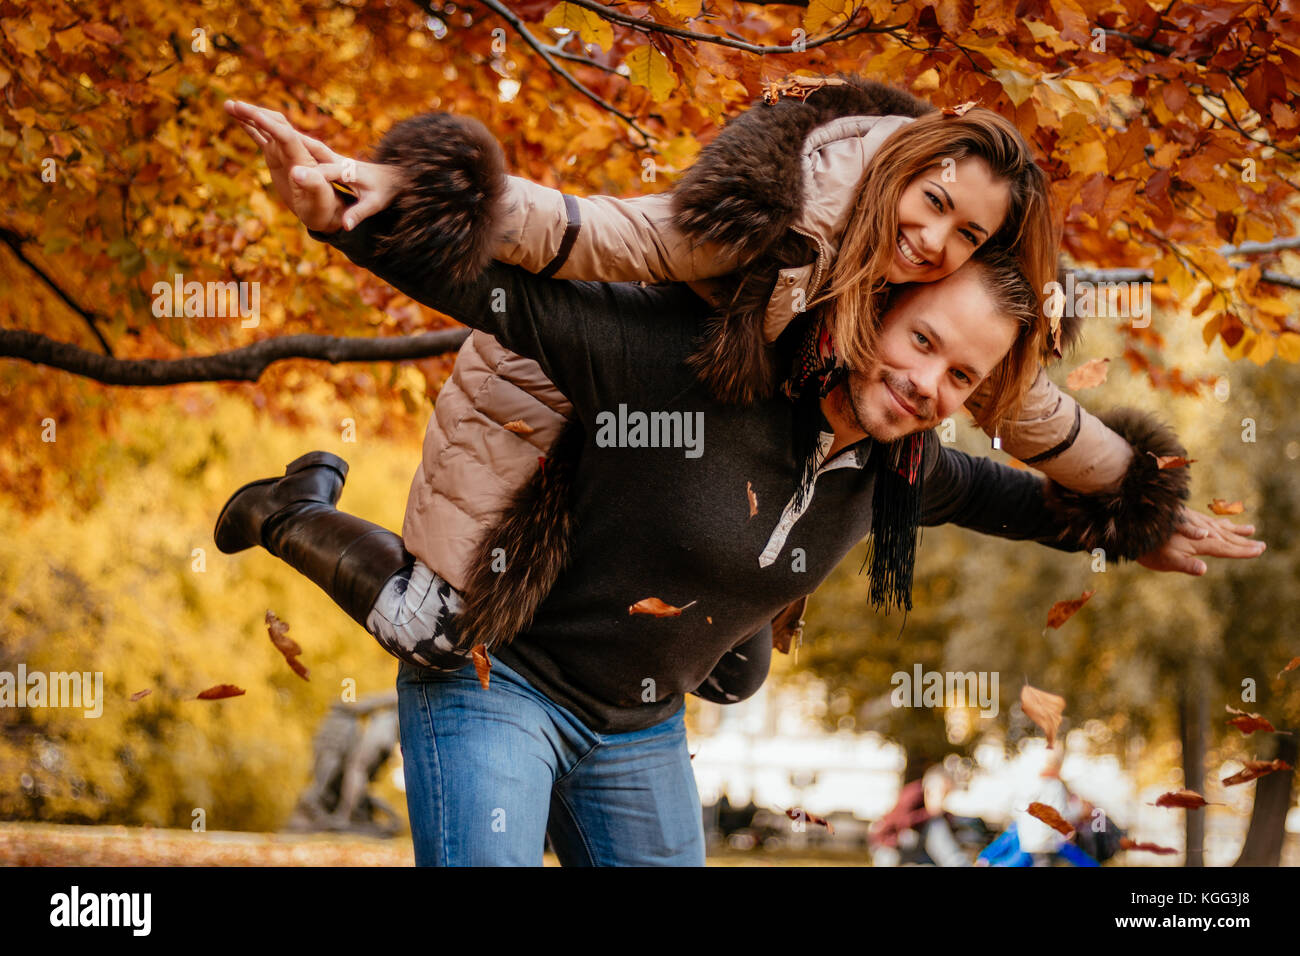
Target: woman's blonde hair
<point x="853" y="297"/>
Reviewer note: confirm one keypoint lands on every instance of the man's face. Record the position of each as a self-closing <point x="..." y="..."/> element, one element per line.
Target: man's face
<point x="938" y="342"/>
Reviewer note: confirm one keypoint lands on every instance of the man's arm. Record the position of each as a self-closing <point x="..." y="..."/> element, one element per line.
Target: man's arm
<point x="980" y="494"/>
<point x="595" y="341"/>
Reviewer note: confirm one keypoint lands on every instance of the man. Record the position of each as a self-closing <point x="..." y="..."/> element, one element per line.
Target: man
<point x="580" y="734"/>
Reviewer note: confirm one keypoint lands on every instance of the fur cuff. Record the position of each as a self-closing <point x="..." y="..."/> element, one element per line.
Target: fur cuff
<point x="1144" y="510"/>
<point x="445" y="221"/>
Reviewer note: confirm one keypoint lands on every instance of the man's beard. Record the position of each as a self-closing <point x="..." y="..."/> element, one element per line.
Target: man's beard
<point x="884" y="427"/>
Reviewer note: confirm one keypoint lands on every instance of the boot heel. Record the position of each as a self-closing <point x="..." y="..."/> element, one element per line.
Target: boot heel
<point x="314" y="459"/>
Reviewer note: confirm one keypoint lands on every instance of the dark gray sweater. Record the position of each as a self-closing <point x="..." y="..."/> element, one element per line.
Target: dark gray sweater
<point x="666" y="522"/>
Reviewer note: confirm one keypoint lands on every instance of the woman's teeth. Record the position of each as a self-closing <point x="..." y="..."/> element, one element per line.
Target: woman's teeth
<point x="909" y="253"/>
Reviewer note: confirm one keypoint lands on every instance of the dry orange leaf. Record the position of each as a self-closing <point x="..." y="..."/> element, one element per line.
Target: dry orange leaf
<point x="1044" y="709"/>
<point x="1062" y="611"/>
<point x="286" y="645"/>
<point x="1048" y="815"/>
<point x="1089" y="374"/>
<point x="1254" y="769"/>
<point x="1249" y="723"/>
<point x="1182" y="799"/>
<point x="220" y="691"/>
<point x="656" y="608"/>
<point x="482" y="664"/>
<point x="1126" y="844"/>
<point x="519" y="427"/>
<point x="1221" y="506"/>
<point x="1292" y="665"/>
<point x="753" y="498"/>
<point x="794" y="813"/>
<point x="141" y="693"/>
<point x="1171" y="461"/>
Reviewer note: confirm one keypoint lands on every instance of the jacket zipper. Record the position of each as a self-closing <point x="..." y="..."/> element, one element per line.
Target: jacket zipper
<point x="815" y="284"/>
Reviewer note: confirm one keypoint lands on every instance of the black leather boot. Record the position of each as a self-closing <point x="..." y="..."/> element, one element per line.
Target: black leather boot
<point x="316" y="476"/>
<point x="294" y="518"/>
<point x="350" y="558"/>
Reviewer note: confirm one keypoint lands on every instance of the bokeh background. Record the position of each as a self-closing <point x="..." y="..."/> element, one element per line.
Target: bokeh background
<point x="1172" y="139"/>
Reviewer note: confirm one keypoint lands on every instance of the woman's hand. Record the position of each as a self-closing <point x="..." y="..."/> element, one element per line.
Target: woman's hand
<point x="1201" y="534"/>
<point x="302" y="169"/>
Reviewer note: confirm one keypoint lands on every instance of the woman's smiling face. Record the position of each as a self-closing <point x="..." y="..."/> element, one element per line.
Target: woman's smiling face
<point x="944" y="215"/>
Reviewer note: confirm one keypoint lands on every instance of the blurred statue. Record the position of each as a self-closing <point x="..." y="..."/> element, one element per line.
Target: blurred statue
<point x="351" y="747"/>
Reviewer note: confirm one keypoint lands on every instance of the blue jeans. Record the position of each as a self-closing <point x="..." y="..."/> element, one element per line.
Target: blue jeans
<point x="489" y="773"/>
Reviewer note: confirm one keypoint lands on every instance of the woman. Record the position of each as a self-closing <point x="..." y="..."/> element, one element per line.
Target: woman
<point x="461" y="519"/>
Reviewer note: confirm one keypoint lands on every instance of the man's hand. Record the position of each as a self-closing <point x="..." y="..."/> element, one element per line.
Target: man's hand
<point x="302" y="169"/>
<point x="1201" y="534"/>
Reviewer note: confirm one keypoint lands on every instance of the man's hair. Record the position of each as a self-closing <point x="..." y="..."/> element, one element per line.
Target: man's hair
<point x="1003" y="389"/>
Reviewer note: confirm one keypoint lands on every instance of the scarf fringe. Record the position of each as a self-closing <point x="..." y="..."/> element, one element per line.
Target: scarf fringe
<point x="896" y="516"/>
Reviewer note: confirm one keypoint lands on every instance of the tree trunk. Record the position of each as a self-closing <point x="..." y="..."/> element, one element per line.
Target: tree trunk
<point x="1192" y="731"/>
<point x="1267" y="831"/>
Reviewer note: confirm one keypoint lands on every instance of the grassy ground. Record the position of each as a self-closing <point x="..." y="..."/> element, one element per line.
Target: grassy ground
<point x="44" y="844"/>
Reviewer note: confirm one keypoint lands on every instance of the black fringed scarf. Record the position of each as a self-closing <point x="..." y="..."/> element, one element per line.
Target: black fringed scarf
<point x="896" y="500"/>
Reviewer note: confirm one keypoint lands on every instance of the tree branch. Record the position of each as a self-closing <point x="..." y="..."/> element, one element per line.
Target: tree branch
<point x="1146" y="275"/>
<point x="653" y="26"/>
<point x="519" y="27"/>
<point x="1258" y="248"/>
<point x="14" y="242"/>
<point x="240" y="365"/>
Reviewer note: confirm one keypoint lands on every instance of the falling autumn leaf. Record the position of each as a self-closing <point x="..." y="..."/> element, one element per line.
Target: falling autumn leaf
<point x="1254" y="769"/>
<point x="1170" y="461"/>
<point x="1062" y="611"/>
<point x="657" y="608"/>
<point x="482" y="664"/>
<point x="1182" y="799"/>
<point x="794" y="813"/>
<point x="1221" y="506"/>
<point x="1294" y="663"/>
<point x="1048" y="815"/>
<point x="141" y="693"/>
<point x="1126" y="844"/>
<point x="519" y="427"/>
<point x="1088" y="375"/>
<point x="220" y="691"/>
<point x="286" y="645"/>
<point x="1044" y="709"/>
<point x="1249" y="723"/>
<point x="753" y="498"/>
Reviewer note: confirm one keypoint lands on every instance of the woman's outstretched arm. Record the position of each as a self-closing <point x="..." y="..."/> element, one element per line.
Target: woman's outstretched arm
<point x="429" y="165"/>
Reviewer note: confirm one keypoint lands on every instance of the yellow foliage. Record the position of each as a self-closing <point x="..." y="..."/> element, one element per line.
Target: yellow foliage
<point x="134" y="589"/>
